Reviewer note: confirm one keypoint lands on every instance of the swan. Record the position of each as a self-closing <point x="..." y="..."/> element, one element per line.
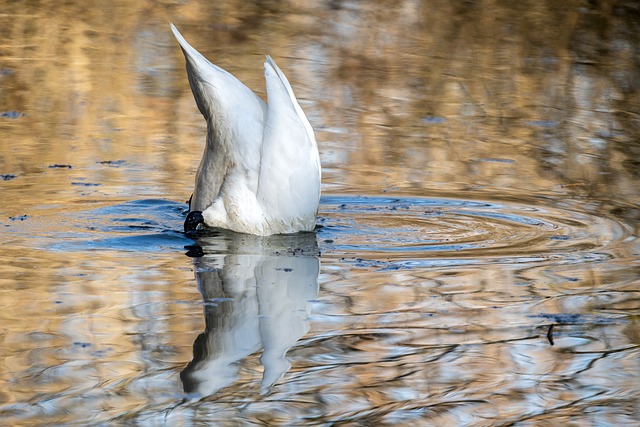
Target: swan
<point x="260" y="171"/>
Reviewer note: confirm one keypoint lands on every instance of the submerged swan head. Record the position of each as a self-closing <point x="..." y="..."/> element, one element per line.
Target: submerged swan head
<point x="260" y="171"/>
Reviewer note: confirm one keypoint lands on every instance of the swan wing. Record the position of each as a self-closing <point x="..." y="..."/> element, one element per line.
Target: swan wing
<point x="289" y="182"/>
<point x="235" y="120"/>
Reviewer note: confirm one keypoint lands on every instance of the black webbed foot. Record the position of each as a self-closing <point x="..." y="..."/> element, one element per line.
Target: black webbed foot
<point x="193" y="219"/>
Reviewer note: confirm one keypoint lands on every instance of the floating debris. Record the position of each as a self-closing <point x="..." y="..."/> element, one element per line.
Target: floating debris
<point x="550" y="334"/>
<point x="12" y="114"/>
<point x="115" y="163"/>
<point x="85" y="184"/>
<point x="434" y="120"/>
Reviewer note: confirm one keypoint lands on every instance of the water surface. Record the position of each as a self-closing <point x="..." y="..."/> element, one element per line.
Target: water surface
<point x="476" y="260"/>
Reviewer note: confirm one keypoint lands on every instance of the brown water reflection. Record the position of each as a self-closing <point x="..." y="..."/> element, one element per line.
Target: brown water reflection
<point x="496" y="145"/>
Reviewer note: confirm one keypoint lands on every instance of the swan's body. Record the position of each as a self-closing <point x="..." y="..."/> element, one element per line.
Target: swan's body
<point x="260" y="172"/>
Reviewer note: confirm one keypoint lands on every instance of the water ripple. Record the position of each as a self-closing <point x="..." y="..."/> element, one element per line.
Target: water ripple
<point x="411" y="232"/>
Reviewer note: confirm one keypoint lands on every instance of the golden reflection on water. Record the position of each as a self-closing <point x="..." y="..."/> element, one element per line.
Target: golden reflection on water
<point x="531" y="103"/>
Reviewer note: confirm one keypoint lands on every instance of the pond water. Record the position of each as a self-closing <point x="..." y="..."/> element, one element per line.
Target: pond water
<point x="476" y="260"/>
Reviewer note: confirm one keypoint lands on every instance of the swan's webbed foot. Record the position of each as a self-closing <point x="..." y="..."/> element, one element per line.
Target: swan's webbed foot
<point x="193" y="219"/>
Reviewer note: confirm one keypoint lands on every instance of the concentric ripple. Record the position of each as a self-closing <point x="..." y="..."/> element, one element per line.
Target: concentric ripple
<point x="453" y="231"/>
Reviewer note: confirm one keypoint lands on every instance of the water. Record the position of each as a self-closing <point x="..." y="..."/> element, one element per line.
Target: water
<point x="476" y="260"/>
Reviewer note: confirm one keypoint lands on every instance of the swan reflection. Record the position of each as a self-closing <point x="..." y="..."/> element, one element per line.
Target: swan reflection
<point x="257" y="293"/>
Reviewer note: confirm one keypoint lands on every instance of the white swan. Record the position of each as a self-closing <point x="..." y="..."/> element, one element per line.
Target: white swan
<point x="260" y="171"/>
